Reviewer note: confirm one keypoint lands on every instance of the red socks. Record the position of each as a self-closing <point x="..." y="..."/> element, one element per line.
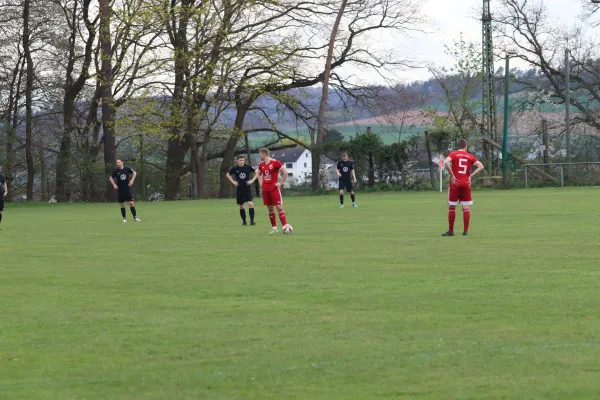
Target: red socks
<point x="272" y="218"/>
<point x="466" y="219"/>
<point x="451" y="218"/>
<point x="282" y="218"/>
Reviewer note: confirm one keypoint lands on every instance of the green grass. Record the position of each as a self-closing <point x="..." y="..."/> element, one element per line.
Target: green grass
<point x="360" y="303"/>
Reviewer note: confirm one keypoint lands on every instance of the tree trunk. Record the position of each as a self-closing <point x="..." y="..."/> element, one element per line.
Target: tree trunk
<point x="175" y="161"/>
<point x="108" y="108"/>
<point x="238" y="131"/>
<point x="371" y="172"/>
<point x="201" y="170"/>
<point x="318" y="148"/>
<point x="44" y="183"/>
<point x="28" y="100"/>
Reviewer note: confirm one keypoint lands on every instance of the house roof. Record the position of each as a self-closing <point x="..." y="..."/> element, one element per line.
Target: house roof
<point x="288" y="155"/>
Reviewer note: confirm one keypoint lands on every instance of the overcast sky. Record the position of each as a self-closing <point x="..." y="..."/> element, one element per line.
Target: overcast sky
<point x="448" y="18"/>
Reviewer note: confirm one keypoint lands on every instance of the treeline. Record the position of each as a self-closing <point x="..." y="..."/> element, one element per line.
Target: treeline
<point x="177" y="87"/>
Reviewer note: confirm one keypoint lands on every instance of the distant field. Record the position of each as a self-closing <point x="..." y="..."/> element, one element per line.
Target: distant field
<point x="389" y="133"/>
<point x="356" y="304"/>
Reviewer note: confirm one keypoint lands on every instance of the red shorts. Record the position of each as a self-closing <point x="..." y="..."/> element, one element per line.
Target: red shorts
<point x="272" y="197"/>
<point x="459" y="193"/>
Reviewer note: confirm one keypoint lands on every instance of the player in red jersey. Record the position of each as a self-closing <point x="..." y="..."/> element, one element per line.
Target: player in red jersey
<point x="269" y="178"/>
<point x="459" y="165"/>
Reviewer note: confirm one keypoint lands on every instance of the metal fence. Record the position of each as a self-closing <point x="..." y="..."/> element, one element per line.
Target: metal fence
<point x="561" y="174"/>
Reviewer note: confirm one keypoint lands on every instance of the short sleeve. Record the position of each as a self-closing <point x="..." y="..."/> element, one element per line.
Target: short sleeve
<point x="473" y="159"/>
<point x="339" y="165"/>
<point x="114" y="174"/>
<point x="278" y="164"/>
<point x="251" y="168"/>
<point x="351" y="165"/>
<point x="232" y="171"/>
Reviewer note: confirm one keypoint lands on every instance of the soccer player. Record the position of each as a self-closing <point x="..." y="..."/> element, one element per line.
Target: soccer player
<point x="240" y="176"/>
<point x="3" y="192"/>
<point x="121" y="182"/>
<point x="459" y="165"/>
<point x="347" y="177"/>
<point x="268" y="175"/>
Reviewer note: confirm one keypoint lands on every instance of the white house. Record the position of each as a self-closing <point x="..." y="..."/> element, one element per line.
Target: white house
<point x="298" y="162"/>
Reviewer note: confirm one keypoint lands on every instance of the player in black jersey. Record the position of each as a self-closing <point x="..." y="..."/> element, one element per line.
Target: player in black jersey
<point x="242" y="176"/>
<point x="347" y="175"/>
<point x="121" y="182"/>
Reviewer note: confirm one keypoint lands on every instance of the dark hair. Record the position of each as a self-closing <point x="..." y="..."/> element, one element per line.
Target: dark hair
<point x="462" y="144"/>
<point x="241" y="156"/>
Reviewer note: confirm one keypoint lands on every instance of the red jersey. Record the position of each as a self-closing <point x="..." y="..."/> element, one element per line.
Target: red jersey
<point x="270" y="174"/>
<point x="462" y="162"/>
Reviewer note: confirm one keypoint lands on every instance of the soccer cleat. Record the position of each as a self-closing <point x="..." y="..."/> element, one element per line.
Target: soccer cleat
<point x="354" y="205"/>
<point x="124" y="220"/>
<point x="136" y="219"/>
<point x="252" y="223"/>
<point x="448" y="234"/>
<point x="342" y="206"/>
<point x="244" y="224"/>
<point x="465" y="233"/>
<point x="273" y="231"/>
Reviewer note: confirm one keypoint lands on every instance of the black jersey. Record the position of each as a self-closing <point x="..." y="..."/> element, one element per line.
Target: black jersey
<point x="2" y="182"/>
<point x="345" y="168"/>
<point x="121" y="178"/>
<point x="242" y="174"/>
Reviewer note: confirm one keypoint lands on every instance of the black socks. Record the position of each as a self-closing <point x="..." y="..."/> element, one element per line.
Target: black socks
<point x="133" y="212"/>
<point x="353" y="198"/>
<point x="123" y="212"/>
<point x="341" y="199"/>
<point x="252" y="215"/>
<point x="243" y="214"/>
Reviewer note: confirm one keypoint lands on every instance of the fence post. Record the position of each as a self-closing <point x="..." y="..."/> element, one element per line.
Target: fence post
<point x="562" y="176"/>
<point x="526" y="183"/>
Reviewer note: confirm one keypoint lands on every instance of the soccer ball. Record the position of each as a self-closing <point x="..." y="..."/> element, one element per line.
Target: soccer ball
<point x="288" y="229"/>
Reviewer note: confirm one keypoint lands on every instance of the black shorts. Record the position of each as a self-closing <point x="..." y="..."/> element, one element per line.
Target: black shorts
<point x="1" y="201"/>
<point x="244" y="194"/>
<point x="346" y="184"/>
<point x="125" y="197"/>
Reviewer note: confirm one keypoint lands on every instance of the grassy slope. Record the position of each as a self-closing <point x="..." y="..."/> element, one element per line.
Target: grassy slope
<point x="365" y="303"/>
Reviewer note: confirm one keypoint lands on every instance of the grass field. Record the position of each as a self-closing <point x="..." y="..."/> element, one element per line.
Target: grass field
<point x="360" y="303"/>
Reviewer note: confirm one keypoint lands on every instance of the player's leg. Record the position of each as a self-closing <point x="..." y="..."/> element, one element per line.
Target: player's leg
<point x="282" y="216"/>
<point x="240" y="200"/>
<point x="251" y="210"/>
<point x="453" y="195"/>
<point x="277" y="199"/>
<point x="466" y="201"/>
<point x="342" y="186"/>
<point x="1" y="205"/>
<point x="267" y="202"/>
<point x="122" y="200"/>
<point x="350" y="188"/>
<point x="132" y="208"/>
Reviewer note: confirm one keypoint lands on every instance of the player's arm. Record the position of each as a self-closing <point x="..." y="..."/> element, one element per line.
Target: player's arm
<point x="354" y="175"/>
<point x="254" y="178"/>
<point x="112" y="181"/>
<point x="478" y="168"/>
<point x="337" y="169"/>
<point x="259" y="176"/>
<point x="230" y="178"/>
<point x="284" y="176"/>
<point x="5" y="189"/>
<point x="133" y="175"/>
<point x="448" y="166"/>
